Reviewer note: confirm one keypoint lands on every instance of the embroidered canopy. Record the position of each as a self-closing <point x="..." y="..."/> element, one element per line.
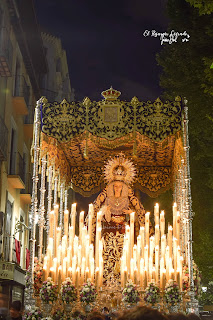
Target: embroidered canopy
<point x="79" y="137"/>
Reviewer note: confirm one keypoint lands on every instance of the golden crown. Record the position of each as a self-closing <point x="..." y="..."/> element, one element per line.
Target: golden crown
<point x="111" y="94"/>
<point x="119" y="168"/>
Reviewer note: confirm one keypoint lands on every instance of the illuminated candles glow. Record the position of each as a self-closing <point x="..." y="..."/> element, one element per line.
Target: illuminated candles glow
<point x="162" y="223"/>
<point x="147" y="228"/>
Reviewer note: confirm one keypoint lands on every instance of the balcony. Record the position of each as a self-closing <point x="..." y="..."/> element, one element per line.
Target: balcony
<point x="3" y="140"/>
<point x="21" y="95"/>
<point x="28" y="122"/>
<point x="25" y="194"/>
<point x="16" y="177"/>
<point x="6" y="53"/>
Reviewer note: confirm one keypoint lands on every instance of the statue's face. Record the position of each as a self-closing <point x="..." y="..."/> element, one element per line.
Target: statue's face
<point x="118" y="188"/>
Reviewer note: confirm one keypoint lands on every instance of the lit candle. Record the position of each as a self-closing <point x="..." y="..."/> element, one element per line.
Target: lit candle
<point x="96" y="277"/>
<point x="128" y="245"/>
<point x="79" y="256"/>
<point x="81" y="224"/>
<point x="156" y="213"/>
<point x="69" y="251"/>
<point x="55" y="267"/>
<point x="98" y="238"/>
<point x="157" y="234"/>
<point x="132" y="227"/>
<point x="64" y="247"/>
<point x="92" y="268"/>
<point x="57" y="239"/>
<point x="91" y="213"/>
<point x="76" y="246"/>
<point x="146" y="257"/>
<point x="73" y="215"/>
<point x="87" y="273"/>
<point x="64" y="269"/>
<point x="174" y="218"/>
<point x="162" y="223"/>
<point x="153" y="275"/>
<point x="59" y="275"/>
<point x="181" y="273"/>
<point x="147" y="228"/>
<point x="56" y="207"/>
<point x="175" y="253"/>
<point x="142" y="273"/>
<point x="142" y="241"/>
<point x="156" y="263"/>
<point x="150" y="268"/>
<point x="170" y="240"/>
<point x="66" y="218"/>
<point x="74" y="262"/>
<point x="178" y="228"/>
<point x="83" y="270"/>
<point x="138" y="251"/>
<point x="51" y="223"/>
<point x="69" y="272"/>
<point x="163" y="246"/>
<point x="167" y="263"/>
<point x="125" y="276"/>
<point x="135" y="255"/>
<point x="161" y="272"/>
<point x="135" y="276"/>
<point x="132" y="269"/>
<point x="44" y="272"/>
<point x="152" y="245"/>
<point x="77" y="277"/>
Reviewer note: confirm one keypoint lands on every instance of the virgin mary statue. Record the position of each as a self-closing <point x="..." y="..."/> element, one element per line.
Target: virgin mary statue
<point x="116" y="202"/>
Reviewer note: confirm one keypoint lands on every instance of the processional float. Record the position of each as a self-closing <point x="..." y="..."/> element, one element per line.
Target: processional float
<point x="71" y="143"/>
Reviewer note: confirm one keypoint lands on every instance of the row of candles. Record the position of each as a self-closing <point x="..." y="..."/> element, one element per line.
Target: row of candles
<point x="69" y="255"/>
<point x="155" y="258"/>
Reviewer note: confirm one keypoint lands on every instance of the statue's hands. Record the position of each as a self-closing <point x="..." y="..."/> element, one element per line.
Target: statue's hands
<point x="127" y="211"/>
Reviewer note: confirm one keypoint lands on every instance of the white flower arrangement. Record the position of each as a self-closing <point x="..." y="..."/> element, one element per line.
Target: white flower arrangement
<point x="48" y="291"/>
<point x="33" y="314"/>
<point x="130" y="293"/>
<point x="172" y="293"/>
<point x="152" y="294"/>
<point x="88" y="292"/>
<point x="68" y="291"/>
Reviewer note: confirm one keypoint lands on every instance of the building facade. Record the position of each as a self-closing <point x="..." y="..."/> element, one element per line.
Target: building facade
<point x="28" y="61"/>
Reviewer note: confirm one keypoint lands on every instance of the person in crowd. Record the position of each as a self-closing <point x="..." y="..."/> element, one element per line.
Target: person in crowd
<point x="177" y="316"/>
<point x="142" y="313"/>
<point x="96" y="316"/>
<point x="15" y="310"/>
<point x="193" y="316"/>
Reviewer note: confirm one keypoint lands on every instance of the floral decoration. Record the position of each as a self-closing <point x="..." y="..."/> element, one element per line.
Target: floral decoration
<point x="130" y="293"/>
<point x="172" y="293"/>
<point x="68" y="291"/>
<point x="58" y="315"/>
<point x="48" y="291"/>
<point x="38" y="274"/>
<point x="88" y="292"/>
<point x="33" y="314"/>
<point x="152" y="294"/>
<point x="196" y="277"/>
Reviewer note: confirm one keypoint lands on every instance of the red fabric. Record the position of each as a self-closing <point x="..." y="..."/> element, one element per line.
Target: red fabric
<point x="27" y="258"/>
<point x="18" y="250"/>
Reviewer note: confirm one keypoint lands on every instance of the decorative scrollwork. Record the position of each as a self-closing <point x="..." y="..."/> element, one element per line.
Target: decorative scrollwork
<point x="111" y="119"/>
<point x="154" y="180"/>
<point x="87" y="180"/>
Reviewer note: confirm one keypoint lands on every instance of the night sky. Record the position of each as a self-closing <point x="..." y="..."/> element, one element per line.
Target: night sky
<point x="105" y="44"/>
